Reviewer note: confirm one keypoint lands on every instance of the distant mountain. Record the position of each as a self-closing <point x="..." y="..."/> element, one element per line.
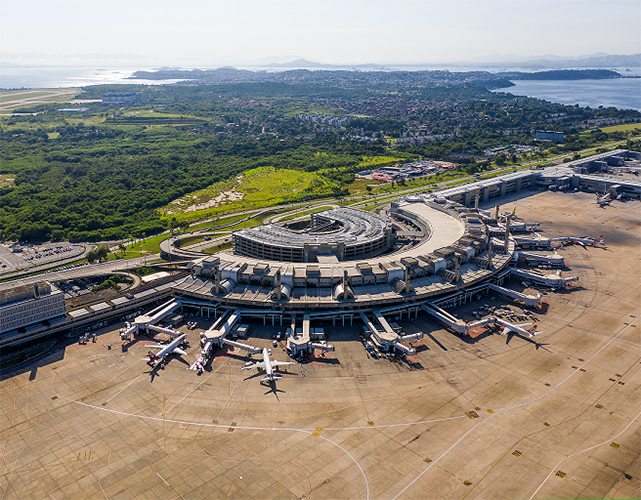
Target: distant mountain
<point x="298" y="63"/>
<point x="596" y="61"/>
<point x="563" y="74"/>
<point x="550" y="61"/>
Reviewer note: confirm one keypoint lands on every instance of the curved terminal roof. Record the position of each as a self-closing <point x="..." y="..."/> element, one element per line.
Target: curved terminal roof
<point x="444" y="230"/>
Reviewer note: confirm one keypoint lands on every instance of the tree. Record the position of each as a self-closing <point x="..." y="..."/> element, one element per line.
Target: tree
<point x="91" y="256"/>
<point x="471" y="168"/>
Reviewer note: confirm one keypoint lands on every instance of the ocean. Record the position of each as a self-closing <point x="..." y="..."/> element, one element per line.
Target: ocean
<point x="51" y="77"/>
<point x="623" y="93"/>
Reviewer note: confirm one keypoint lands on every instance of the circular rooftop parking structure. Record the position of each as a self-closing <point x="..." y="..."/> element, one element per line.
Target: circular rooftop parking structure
<point x="339" y="234"/>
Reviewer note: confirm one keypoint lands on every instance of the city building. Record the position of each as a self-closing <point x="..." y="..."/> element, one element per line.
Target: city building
<point x="547" y="135"/>
<point x="27" y="306"/>
<point x="114" y="97"/>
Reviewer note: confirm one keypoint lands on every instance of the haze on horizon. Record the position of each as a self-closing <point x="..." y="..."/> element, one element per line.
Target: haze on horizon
<point x="214" y="32"/>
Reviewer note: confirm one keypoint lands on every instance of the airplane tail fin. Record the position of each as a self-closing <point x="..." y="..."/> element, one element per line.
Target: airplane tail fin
<point x="151" y="359"/>
<point x="533" y="331"/>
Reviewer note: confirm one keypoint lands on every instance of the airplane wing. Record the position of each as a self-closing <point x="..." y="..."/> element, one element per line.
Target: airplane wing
<point x="506" y="330"/>
<point x="155" y="346"/>
<point x="259" y="364"/>
<point x="178" y="350"/>
<point x="282" y="363"/>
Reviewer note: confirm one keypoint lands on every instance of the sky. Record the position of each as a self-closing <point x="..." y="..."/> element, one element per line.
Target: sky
<point x="214" y="32"/>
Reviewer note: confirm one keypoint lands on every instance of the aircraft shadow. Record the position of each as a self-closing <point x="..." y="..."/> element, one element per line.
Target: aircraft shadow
<point x="436" y="341"/>
<point x="531" y="341"/>
<point x="153" y="373"/>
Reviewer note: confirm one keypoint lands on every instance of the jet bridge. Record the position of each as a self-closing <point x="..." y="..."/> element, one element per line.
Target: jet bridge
<point x="539" y="259"/>
<point x="155" y="315"/>
<point x="219" y="330"/>
<point x="301" y="344"/>
<point x="215" y="337"/>
<point x="240" y="345"/>
<point x="444" y="317"/>
<point x="388" y="339"/>
<point x="528" y="300"/>
<point x="169" y="331"/>
<point x="146" y="322"/>
<point x="551" y="280"/>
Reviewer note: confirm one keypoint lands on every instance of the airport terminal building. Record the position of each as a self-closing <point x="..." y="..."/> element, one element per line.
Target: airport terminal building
<point x="346" y="265"/>
<point x="27" y="306"/>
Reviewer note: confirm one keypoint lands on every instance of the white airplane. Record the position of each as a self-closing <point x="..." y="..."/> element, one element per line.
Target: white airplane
<point x="268" y="365"/>
<point x="603" y="200"/>
<point x="165" y="350"/>
<point x="587" y="240"/>
<point x="517" y="329"/>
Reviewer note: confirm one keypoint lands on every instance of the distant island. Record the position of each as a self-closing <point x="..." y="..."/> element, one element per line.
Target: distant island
<point x="353" y="78"/>
<point x="564" y="74"/>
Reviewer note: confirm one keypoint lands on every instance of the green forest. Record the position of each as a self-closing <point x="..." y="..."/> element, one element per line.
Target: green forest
<point x="107" y="173"/>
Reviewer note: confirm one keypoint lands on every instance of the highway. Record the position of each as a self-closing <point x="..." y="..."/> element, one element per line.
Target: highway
<point x="78" y="272"/>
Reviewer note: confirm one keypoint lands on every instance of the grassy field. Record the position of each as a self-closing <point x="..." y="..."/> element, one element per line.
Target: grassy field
<point x="370" y="161"/>
<point x="150" y="245"/>
<point x="306" y="212"/>
<point x="257" y="188"/>
<point x="190" y="240"/>
<point x="217" y="248"/>
<point x="128" y="255"/>
<point x="625" y="127"/>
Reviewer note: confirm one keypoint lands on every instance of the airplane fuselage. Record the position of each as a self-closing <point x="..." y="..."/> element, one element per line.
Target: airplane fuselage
<point x="168" y="349"/>
<point x="269" y="370"/>
<point x="515" y="328"/>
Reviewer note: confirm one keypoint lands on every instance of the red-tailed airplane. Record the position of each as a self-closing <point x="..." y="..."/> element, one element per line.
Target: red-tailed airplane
<point x="587" y="240"/>
<point x="517" y="329"/>
<point x="603" y="200"/>
<point x="165" y="350"/>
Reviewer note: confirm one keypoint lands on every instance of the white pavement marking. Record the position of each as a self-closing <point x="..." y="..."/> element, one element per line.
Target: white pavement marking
<point x="124" y="387"/>
<point x="355" y="461"/>
<point x="497" y="412"/>
<point x="609" y="440"/>
<point x="163" y="479"/>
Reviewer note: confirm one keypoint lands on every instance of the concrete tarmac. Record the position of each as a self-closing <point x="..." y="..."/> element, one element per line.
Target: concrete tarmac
<point x="468" y="418"/>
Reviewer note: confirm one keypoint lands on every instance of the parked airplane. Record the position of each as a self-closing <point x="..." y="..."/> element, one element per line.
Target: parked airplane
<point x="603" y="200"/>
<point x="508" y="215"/>
<point x="587" y="240"/>
<point x="268" y="365"/>
<point x="516" y="329"/>
<point x="165" y="350"/>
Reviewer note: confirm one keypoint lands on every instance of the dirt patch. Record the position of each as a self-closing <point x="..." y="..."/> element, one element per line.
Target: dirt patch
<point x="224" y="197"/>
<point x="193" y="203"/>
